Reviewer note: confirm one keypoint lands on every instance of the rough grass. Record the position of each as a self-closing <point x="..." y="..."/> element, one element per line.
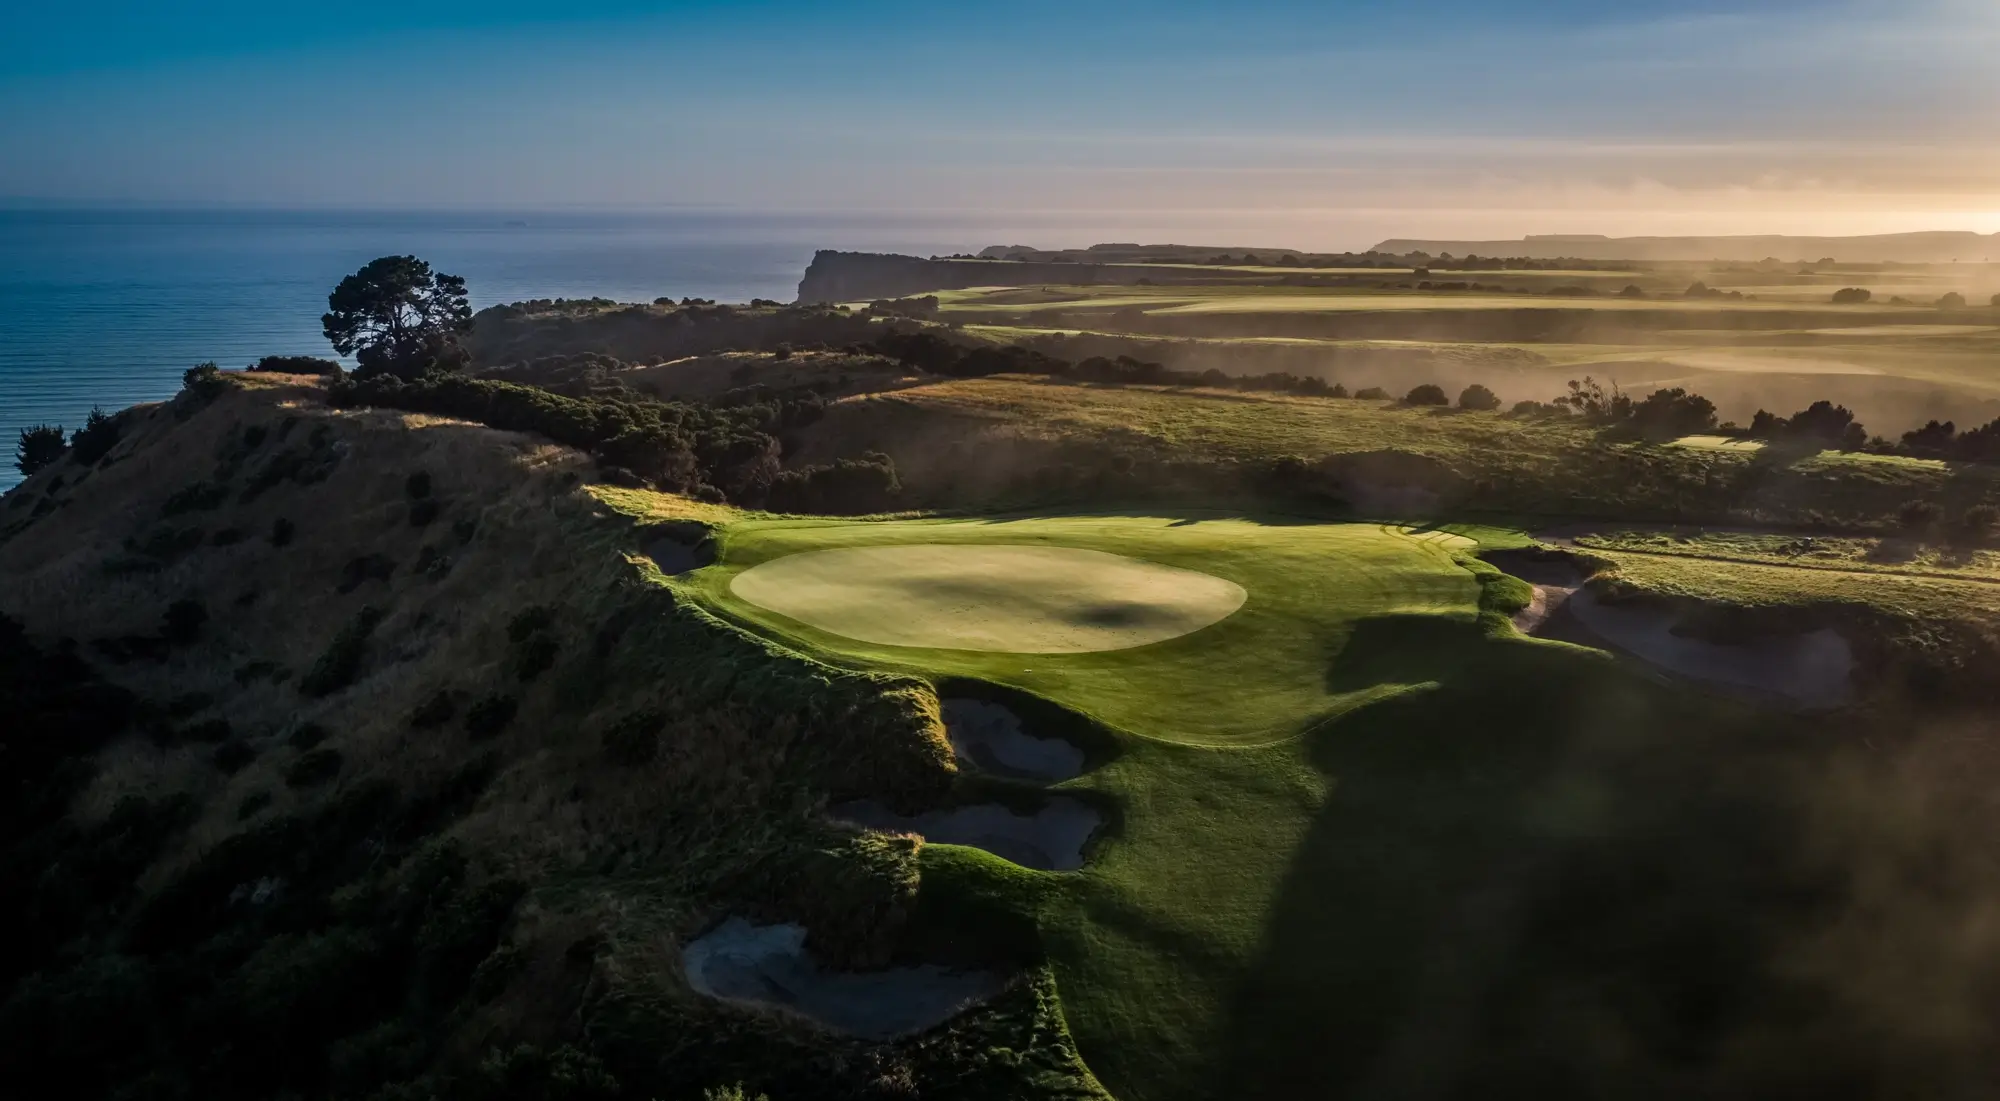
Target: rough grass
<point x="954" y="438"/>
<point x="627" y="856"/>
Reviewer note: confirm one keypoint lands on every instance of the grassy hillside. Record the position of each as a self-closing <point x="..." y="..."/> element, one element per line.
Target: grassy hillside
<point x="981" y="439"/>
<point x="417" y="771"/>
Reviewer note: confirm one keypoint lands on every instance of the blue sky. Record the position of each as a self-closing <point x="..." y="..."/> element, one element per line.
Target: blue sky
<point x="1335" y="120"/>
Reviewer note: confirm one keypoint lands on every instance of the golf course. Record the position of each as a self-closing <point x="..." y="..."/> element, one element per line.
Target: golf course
<point x="1206" y="631"/>
<point x="1297" y="782"/>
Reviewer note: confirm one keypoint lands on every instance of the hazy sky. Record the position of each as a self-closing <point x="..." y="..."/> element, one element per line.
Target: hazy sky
<point x="1316" y="123"/>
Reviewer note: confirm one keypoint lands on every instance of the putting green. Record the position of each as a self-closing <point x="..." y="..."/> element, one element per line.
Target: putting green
<point x="1212" y="631"/>
<point x="1000" y="599"/>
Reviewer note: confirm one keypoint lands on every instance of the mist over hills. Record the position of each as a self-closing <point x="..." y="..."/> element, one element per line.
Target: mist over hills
<point x="1918" y="248"/>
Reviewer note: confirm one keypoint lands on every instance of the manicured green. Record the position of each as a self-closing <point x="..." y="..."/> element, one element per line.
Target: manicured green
<point x="1256" y="677"/>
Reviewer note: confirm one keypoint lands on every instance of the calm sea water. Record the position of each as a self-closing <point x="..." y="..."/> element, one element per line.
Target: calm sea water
<point x="109" y="307"/>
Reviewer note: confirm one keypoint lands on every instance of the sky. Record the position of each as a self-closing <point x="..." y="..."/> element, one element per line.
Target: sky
<point x="1327" y="124"/>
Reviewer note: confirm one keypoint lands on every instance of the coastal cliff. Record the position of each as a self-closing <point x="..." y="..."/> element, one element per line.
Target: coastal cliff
<point x="863" y="276"/>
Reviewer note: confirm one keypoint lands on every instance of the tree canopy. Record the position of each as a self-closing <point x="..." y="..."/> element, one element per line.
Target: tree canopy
<point x="39" y="446"/>
<point x="396" y="316"/>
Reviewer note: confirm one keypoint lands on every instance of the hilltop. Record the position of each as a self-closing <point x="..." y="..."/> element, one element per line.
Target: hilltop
<point x="1942" y="247"/>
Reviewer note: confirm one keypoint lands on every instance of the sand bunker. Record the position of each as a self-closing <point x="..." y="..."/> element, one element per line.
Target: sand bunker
<point x="1007" y="599"/>
<point x="1049" y="840"/>
<point x="767" y="965"/>
<point x="1812" y="669"/>
<point x="990" y="737"/>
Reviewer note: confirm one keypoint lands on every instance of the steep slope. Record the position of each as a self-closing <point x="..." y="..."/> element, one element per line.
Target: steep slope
<point x="420" y="783"/>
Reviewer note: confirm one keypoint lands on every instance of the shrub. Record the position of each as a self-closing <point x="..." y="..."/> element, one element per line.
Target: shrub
<point x="341" y="662"/>
<point x="204" y="381"/>
<point x="1977" y="523"/>
<point x="99" y="434"/>
<point x="233" y="756"/>
<point x="1952" y="300"/>
<point x="1851" y="296"/>
<point x="635" y="739"/>
<point x="490" y="716"/>
<point x="282" y="531"/>
<point x="434" y="712"/>
<point x="183" y="622"/>
<point x="252" y="803"/>
<point x="1917" y="517"/>
<point x="418" y="485"/>
<point x="1426" y="394"/>
<point x="533" y="656"/>
<point x="40" y="446"/>
<point x="529" y="622"/>
<point x="313" y="768"/>
<point x="366" y="568"/>
<point x="1828" y="424"/>
<point x="1673" y="412"/>
<point x="307" y="735"/>
<point x="845" y="486"/>
<point x="423" y="511"/>
<point x="1479" y="397"/>
<point x="1933" y="437"/>
<point x="202" y="496"/>
<point x="1371" y="393"/>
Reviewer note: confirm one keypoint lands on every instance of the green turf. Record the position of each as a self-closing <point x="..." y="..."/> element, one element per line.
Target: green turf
<point x="1411" y="897"/>
<point x="1256" y="677"/>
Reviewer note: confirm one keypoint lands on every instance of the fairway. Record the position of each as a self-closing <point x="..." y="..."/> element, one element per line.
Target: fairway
<point x="1004" y="599"/>
<point x="1217" y="631"/>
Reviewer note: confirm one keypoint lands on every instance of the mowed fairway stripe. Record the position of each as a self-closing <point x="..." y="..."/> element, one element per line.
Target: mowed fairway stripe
<point x="1002" y="599"/>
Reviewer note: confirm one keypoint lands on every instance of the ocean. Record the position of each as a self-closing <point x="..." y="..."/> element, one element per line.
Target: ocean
<point x="108" y="307"/>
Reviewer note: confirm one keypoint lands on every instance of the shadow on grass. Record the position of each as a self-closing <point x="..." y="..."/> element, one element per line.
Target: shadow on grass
<point x="1537" y="875"/>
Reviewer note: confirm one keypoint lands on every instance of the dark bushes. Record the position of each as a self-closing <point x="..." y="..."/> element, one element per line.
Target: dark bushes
<point x="1478" y="397"/>
<point x="434" y="712"/>
<point x="39" y="447"/>
<point x="845" y="486"/>
<point x="203" y="382"/>
<point x="1426" y="394"/>
<point x="341" y="662"/>
<point x="183" y="621"/>
<point x="1822" y="423"/>
<point x="99" y="434"/>
<point x="313" y="768"/>
<point x="533" y="656"/>
<point x="490" y="716"/>
<point x="361" y="570"/>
